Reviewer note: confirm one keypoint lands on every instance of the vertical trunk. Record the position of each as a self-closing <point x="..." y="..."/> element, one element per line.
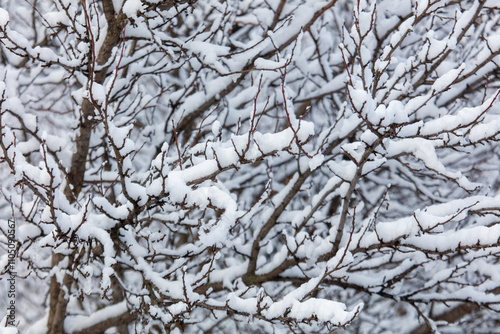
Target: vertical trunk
<point x="58" y="298"/>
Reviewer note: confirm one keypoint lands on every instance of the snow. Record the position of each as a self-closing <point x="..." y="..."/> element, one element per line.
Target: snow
<point x="475" y="236"/>
<point x="265" y="64"/>
<point x="422" y="6"/>
<point x="324" y="310"/>
<point x="316" y="161"/>
<point x="361" y="100"/>
<point x="216" y="128"/>
<point x="264" y="16"/>
<point x="464" y="117"/>
<point x="395" y="7"/>
<point x="117" y="5"/>
<point x="491" y="4"/>
<point x="8" y="330"/>
<point x="355" y="150"/>
<point x="425" y="151"/>
<point x="228" y="275"/>
<point x="136" y="192"/>
<point x="56" y="18"/>
<point x="103" y="204"/>
<point x="131" y="8"/>
<point x="485" y="130"/>
<point x="248" y="305"/>
<point x="208" y="51"/>
<point x="368" y="137"/>
<point x="196" y="100"/>
<point x="4" y="18"/>
<point x="343" y="169"/>
<point x="79" y="322"/>
<point x="444" y="81"/>
<point x="418" y="161"/>
<point x="410" y="228"/>
<point x="464" y="18"/>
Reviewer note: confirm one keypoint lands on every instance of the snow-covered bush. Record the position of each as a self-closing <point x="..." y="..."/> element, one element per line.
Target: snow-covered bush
<point x="251" y="166"/>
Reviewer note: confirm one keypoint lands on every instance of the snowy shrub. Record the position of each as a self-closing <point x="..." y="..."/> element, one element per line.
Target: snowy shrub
<point x="250" y="166"/>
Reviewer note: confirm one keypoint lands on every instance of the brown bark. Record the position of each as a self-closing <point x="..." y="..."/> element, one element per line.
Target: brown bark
<point x="54" y="289"/>
<point x="58" y="298"/>
<point x="453" y="315"/>
<point x="79" y="159"/>
<point x="57" y="325"/>
<point x="118" y="321"/>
